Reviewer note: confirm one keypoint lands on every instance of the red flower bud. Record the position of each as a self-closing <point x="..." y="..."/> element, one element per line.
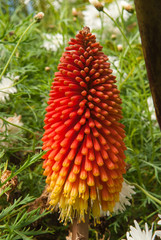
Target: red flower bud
<point x="83" y="137"/>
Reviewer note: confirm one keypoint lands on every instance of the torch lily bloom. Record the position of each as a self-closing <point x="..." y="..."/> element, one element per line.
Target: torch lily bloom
<point x="84" y="162"/>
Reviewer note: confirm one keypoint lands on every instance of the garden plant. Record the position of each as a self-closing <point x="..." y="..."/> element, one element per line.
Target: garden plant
<point x="79" y="138"/>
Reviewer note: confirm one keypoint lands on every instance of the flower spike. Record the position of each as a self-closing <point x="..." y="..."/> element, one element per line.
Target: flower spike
<point x="84" y="162"/>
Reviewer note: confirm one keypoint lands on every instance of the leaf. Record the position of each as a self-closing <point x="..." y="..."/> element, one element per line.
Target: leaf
<point x="2" y="153"/>
<point x="27" y="163"/>
<point x="24" y="237"/>
<point x="12" y="208"/>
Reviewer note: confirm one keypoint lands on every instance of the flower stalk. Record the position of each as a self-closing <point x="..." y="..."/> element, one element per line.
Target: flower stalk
<point x="80" y="229"/>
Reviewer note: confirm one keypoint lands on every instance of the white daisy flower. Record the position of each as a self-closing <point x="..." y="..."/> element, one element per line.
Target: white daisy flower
<point x="115" y="66"/>
<point x="10" y="128"/>
<point x="6" y="87"/>
<point x="15" y="120"/>
<point x="124" y="198"/>
<point x="57" y="4"/>
<point x="26" y="2"/>
<point x="92" y="16"/>
<point x="159" y="222"/>
<point x="158" y="232"/>
<point x="94" y="2"/>
<point x="114" y="9"/>
<point x="52" y="42"/>
<point x="151" y="108"/>
<point x="136" y="233"/>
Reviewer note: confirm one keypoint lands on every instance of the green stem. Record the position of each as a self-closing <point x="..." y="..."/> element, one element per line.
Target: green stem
<point x="14" y="50"/>
<point x="123" y="34"/>
<point x="145" y="192"/>
<point x="26" y="129"/>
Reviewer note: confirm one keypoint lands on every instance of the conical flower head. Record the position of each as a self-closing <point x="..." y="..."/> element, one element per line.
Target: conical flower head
<point x="83" y="137"/>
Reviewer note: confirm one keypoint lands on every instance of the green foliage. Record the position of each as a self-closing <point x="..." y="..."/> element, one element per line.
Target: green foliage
<point x="20" y="148"/>
<point x="15" y="221"/>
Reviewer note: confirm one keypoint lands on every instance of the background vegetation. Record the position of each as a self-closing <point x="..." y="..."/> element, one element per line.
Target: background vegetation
<point x="31" y="71"/>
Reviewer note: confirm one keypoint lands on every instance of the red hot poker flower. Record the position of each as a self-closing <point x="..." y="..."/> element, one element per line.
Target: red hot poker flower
<point x="83" y="137"/>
